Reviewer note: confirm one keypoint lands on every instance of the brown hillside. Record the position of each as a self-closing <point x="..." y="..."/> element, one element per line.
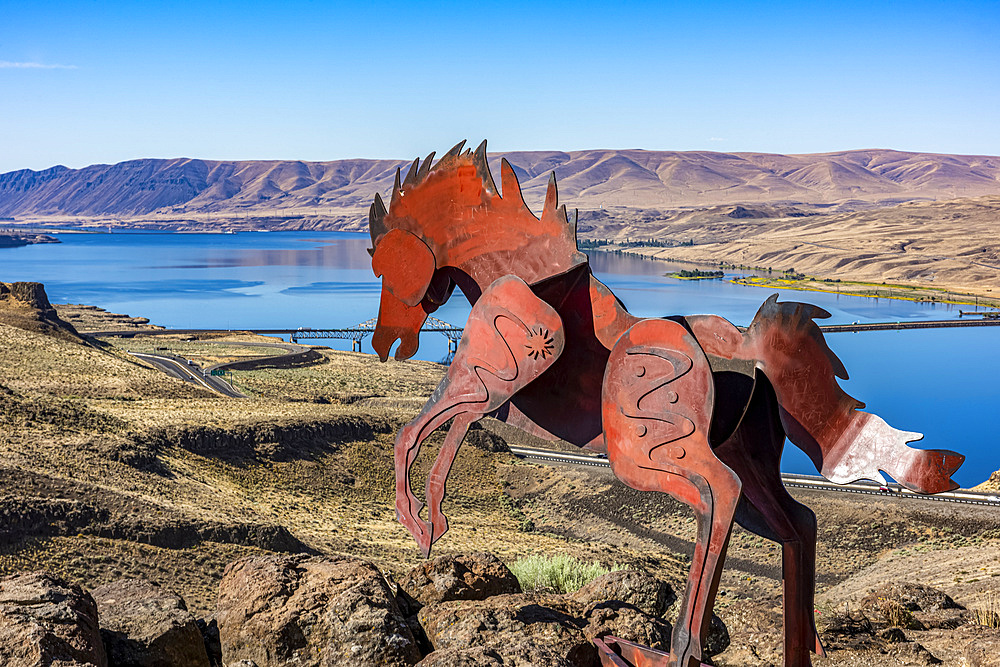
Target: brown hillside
<point x="334" y="195"/>
<point x="947" y="245"/>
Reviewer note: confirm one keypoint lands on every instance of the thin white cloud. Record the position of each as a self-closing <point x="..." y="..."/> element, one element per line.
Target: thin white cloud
<point x="716" y="139"/>
<point x="6" y="64"/>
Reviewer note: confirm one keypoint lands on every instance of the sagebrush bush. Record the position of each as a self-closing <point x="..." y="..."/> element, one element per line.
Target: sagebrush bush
<point x="560" y="573"/>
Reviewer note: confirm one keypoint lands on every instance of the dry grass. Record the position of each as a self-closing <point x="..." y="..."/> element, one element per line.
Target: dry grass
<point x="987" y="613"/>
<point x="345" y="376"/>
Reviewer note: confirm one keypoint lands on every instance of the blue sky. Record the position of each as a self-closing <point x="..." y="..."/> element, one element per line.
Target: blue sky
<point x="91" y="82"/>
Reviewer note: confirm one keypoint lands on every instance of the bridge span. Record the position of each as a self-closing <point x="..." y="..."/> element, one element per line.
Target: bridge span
<point x="360" y="331"/>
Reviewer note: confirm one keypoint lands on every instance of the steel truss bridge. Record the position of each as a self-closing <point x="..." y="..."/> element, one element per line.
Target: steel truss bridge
<point x="358" y="332"/>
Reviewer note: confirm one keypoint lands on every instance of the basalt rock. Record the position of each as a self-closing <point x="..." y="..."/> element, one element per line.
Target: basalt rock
<point x="474" y="576"/>
<point x="643" y="590"/>
<point x="45" y="621"/>
<point x="531" y="629"/>
<point x="311" y="612"/>
<point x="144" y="625"/>
<point x="913" y="597"/>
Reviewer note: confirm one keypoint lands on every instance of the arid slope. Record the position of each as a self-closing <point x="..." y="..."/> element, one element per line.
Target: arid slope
<point x="209" y="194"/>
<point x="949" y="244"/>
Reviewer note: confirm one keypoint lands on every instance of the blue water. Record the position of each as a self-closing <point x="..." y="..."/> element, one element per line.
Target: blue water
<point x="943" y="383"/>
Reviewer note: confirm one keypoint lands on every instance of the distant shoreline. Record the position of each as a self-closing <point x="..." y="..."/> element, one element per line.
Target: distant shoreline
<point x="805" y="283"/>
<point x="21" y="240"/>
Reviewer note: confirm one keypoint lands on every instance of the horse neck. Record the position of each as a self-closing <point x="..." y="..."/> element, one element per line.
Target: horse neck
<point x="532" y="259"/>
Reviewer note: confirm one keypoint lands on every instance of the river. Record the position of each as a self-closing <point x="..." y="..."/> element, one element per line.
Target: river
<point x="944" y="383"/>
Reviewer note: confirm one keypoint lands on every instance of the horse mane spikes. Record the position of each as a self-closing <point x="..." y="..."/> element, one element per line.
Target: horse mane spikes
<point x="455" y="151"/>
<point x="449" y="158"/>
<point x="376" y="219"/>
<point x="479" y="159"/>
<point x="395" y="189"/>
<point x="426" y="168"/>
<point x="552" y="209"/>
<point x="508" y="181"/>
<point x="411" y="175"/>
<point x="551" y="195"/>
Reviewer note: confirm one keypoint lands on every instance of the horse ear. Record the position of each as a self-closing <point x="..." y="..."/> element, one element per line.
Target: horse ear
<point x="406" y="265"/>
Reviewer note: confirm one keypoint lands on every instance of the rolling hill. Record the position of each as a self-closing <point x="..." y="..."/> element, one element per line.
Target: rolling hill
<point x="200" y="194"/>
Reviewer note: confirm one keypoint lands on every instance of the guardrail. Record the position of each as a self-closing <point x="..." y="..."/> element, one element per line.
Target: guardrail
<point x="814" y="482"/>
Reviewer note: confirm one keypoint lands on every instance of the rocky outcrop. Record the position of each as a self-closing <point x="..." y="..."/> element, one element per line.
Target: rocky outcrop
<point x="311" y="612"/>
<point x="45" y="621"/>
<point x="474" y="576"/>
<point x="133" y="521"/>
<point x="26" y="306"/>
<point x="144" y="625"/>
<point x="269" y="440"/>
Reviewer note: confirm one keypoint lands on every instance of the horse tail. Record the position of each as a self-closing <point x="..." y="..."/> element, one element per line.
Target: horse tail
<point x="845" y="443"/>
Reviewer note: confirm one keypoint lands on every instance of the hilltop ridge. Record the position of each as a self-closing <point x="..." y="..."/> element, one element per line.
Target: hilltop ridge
<point x="335" y="194"/>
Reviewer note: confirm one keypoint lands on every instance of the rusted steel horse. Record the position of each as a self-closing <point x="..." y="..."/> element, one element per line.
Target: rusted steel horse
<point x="690" y="406"/>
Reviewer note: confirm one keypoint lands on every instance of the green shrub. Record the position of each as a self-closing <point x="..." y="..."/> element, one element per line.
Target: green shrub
<point x="559" y="573"/>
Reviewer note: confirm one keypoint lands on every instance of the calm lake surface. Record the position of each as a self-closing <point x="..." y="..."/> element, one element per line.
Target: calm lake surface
<point x="943" y="382"/>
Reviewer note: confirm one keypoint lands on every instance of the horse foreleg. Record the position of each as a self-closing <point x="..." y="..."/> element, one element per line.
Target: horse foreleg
<point x="657" y="405"/>
<point x="753" y="451"/>
<point x="511" y="338"/>
<point x="438" y="476"/>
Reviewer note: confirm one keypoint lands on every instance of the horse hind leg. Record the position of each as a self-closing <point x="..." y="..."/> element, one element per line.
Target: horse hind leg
<point x="753" y="451"/>
<point x="657" y="403"/>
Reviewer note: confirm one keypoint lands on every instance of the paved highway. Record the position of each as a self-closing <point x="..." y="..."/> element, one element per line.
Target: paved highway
<point x="179" y="368"/>
<point x="790" y="480"/>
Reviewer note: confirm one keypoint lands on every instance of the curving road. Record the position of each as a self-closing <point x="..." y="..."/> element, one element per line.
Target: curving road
<point x="185" y="370"/>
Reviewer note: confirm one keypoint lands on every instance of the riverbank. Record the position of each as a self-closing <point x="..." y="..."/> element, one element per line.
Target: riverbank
<point x="768" y="277"/>
<point x="918" y="294"/>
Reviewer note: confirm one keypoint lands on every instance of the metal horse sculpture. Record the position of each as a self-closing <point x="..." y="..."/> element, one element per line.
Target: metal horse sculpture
<point x="690" y="406"/>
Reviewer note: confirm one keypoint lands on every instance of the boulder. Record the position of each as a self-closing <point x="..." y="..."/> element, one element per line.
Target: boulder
<point x="635" y="587"/>
<point x="47" y="621"/>
<point x="626" y="621"/>
<point x="533" y="629"/>
<point x="144" y="625"/>
<point x="912" y="653"/>
<point x="474" y="576"/>
<point x="913" y="597"/>
<point x="477" y="656"/>
<point x="311" y="612"/>
<point x="534" y="624"/>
